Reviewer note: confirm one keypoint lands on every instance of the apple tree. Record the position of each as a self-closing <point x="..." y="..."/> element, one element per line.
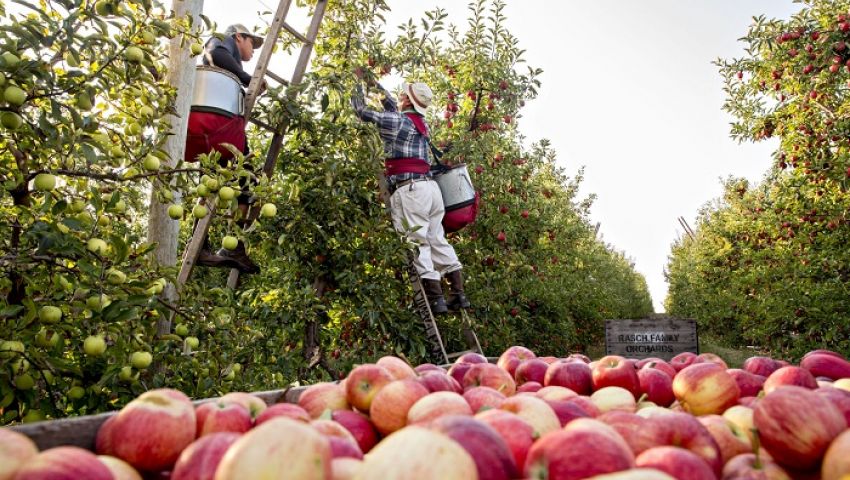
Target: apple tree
<point x="769" y="265"/>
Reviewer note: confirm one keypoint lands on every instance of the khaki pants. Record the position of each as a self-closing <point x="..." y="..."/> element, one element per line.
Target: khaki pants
<point x="420" y="204"/>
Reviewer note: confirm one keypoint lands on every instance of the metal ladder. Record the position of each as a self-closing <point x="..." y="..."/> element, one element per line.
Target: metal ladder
<point x="438" y="351"/>
<point x="193" y="248"/>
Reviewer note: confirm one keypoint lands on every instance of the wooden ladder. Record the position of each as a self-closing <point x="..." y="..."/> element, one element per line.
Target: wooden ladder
<point x="278" y="26"/>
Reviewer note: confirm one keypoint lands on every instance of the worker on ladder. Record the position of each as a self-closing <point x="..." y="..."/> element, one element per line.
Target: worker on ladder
<point x="415" y="199"/>
<point x="210" y="127"/>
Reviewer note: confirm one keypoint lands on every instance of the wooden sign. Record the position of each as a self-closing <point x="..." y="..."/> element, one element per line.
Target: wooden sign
<point x="651" y="337"/>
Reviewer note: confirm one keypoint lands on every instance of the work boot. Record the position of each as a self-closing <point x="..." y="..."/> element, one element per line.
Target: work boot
<point x="457" y="300"/>
<point x="434" y="293"/>
<point x="240" y="257"/>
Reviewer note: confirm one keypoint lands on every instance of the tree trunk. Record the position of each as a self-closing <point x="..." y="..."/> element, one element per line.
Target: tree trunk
<point x="162" y="230"/>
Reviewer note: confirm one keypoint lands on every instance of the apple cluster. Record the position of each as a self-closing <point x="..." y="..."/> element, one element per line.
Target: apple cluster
<point x="691" y="418"/>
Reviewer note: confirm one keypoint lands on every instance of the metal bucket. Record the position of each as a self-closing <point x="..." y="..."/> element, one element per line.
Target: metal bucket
<point x="456" y="187"/>
<point x="217" y="91"/>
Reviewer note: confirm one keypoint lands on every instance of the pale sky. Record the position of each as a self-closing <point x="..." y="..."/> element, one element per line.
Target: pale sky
<point x="629" y="92"/>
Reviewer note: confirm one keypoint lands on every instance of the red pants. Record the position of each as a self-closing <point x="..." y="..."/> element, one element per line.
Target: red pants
<point x="208" y="131"/>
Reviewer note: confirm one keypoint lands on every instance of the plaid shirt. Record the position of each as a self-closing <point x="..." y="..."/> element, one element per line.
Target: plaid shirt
<point x="401" y="139"/>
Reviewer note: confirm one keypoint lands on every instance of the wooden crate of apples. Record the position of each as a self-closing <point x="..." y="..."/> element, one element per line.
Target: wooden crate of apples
<point x="524" y="417"/>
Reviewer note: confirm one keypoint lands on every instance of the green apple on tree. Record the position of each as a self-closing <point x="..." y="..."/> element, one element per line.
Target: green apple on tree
<point x="141" y="360"/>
<point x="135" y="55"/>
<point x="192" y="342"/>
<point x="151" y="162"/>
<point x="76" y="392"/>
<point x="226" y="193"/>
<point x="11" y="120"/>
<point x="97" y="246"/>
<point x="269" y="210"/>
<point x="49" y="314"/>
<point x="94" y="345"/>
<point x="181" y="329"/>
<point x="175" y="212"/>
<point x="44" y="182"/>
<point x="229" y="242"/>
<point x="115" y="276"/>
<point x="14" y="95"/>
<point x="200" y="211"/>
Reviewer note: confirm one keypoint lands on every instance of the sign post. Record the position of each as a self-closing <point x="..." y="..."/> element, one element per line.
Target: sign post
<point x="651" y="337"/>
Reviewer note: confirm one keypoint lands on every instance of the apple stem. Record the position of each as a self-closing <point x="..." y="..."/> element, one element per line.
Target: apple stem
<point x="642" y="398"/>
<point x="756" y="448"/>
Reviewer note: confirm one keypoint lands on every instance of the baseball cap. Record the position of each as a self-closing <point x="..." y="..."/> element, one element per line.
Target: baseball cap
<point x="239" y="28"/>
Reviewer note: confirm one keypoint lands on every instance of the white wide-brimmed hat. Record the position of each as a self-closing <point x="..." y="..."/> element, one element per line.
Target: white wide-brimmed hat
<point x="420" y="96"/>
<point x="256" y="40"/>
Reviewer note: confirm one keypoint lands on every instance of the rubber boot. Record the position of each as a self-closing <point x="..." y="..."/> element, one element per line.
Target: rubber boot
<point x="434" y="293"/>
<point x="457" y="300"/>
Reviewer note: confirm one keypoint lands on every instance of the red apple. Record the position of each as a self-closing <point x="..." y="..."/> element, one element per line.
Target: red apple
<point x="390" y="406"/>
<point x="471" y="357"/>
<point x="120" y="469"/>
<point x="279" y="445"/>
<point x="840" y="398"/>
<point x="679" y="429"/>
<point x="826" y="365"/>
<point x="529" y="387"/>
<point x="638" y="432"/>
<point x="363" y="383"/>
<point x="567" y="411"/>
<point x="429" y="367"/>
<point x="397" y="367"/>
<point x="483" y="398"/>
<point x="749" y="384"/>
<point x="678" y="462"/>
<point x="682" y="360"/>
<point x="342" y="442"/>
<point x="516" y="432"/>
<point x="635" y="474"/>
<point x="584" y="448"/>
<point x="16" y="449"/>
<point x="439" y="382"/>
<point x="359" y="426"/>
<point x="746" y="467"/>
<point x="836" y="461"/>
<point x="416" y="453"/>
<point x="577" y="376"/>
<point x="289" y="410"/>
<point x="741" y="417"/>
<point x="535" y="411"/>
<point x="586" y="404"/>
<point x="493" y="458"/>
<point x="731" y="440"/>
<point x="763" y="366"/>
<point x="149" y="432"/>
<point x="789" y="376"/>
<point x="642" y="362"/>
<point x="323" y="396"/>
<point x="616" y="371"/>
<point x="435" y="405"/>
<point x="217" y="416"/>
<point x="532" y="370"/>
<point x="489" y="375"/>
<point x="614" y="398"/>
<point x="458" y="371"/>
<point x="705" y="388"/>
<point x="797" y="425"/>
<point x="64" y="463"/>
<point x="657" y="386"/>
<point x="200" y="459"/>
<point x="254" y="404"/>
<point x="658" y="365"/>
<point x="711" y="358"/>
<point x="512" y="357"/>
<point x="555" y="392"/>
